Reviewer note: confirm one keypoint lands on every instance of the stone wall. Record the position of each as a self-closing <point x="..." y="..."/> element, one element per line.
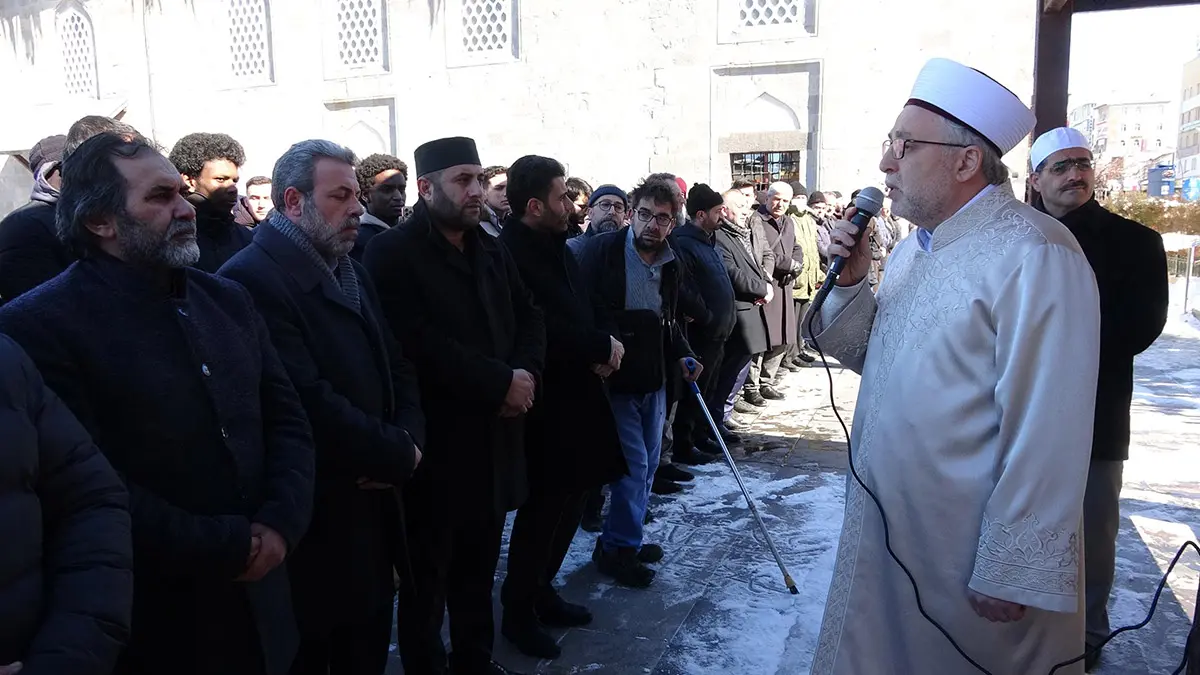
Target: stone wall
<point x="613" y="88"/>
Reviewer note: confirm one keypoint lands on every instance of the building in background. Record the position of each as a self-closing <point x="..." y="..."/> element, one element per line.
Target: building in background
<point x="706" y="89"/>
<point x="1188" y="149"/>
<point x="1128" y="139"/>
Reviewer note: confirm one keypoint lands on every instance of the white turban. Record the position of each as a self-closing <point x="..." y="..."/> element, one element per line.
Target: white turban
<point x="974" y="100"/>
<point x="1054" y="140"/>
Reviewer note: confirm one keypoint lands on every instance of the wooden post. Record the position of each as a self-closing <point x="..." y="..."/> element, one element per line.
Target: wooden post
<point x="1051" y="64"/>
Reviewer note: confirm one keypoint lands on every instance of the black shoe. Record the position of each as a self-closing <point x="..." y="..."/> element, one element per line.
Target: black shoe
<point x="711" y="448"/>
<point x="648" y="518"/>
<point x="662" y="486"/>
<point x="558" y="613"/>
<point x="771" y="393"/>
<point x="729" y="432"/>
<point x="528" y="637"/>
<point x="755" y="398"/>
<point x="791" y="366"/>
<point x="623" y="566"/>
<point x="690" y="456"/>
<point x="807" y="355"/>
<point x="592" y="520"/>
<point x="744" y="408"/>
<point x="650" y="553"/>
<point x="672" y="472"/>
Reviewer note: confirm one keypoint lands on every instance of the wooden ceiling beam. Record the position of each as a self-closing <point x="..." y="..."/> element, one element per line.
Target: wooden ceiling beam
<point x="1053" y="6"/>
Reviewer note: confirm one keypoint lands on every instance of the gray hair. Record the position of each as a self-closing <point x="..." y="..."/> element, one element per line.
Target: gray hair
<point x="779" y="187"/>
<point x="994" y="170"/>
<point x="295" y="167"/>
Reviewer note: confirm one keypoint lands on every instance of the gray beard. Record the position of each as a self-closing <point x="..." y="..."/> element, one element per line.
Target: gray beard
<point x="323" y="237"/>
<point x="605" y="225"/>
<point x="140" y="246"/>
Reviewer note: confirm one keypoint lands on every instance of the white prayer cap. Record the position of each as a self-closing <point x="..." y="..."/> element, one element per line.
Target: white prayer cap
<point x="1054" y="140"/>
<point x="964" y="95"/>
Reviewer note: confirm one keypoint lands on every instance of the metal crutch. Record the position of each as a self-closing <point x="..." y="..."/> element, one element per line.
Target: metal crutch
<point x="712" y="425"/>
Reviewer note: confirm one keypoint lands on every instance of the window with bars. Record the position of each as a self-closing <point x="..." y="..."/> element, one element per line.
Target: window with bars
<point x="764" y="168"/>
<point x="250" y="41"/>
<point x="78" y="45"/>
<point x="481" y="32"/>
<point x="755" y="13"/>
<point x="757" y="20"/>
<point x="360" y="42"/>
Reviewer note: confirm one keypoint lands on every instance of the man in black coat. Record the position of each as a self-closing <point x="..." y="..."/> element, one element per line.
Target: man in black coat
<point x="209" y="164"/>
<point x="361" y="397"/>
<point x="454" y="298"/>
<point x="383" y="183"/>
<point x="780" y="311"/>
<point x="637" y="278"/>
<point x="695" y="243"/>
<point x="571" y="442"/>
<point x="752" y="289"/>
<point x="173" y="373"/>
<point x="66" y="581"/>
<point x="1131" y="273"/>
<point x="30" y="251"/>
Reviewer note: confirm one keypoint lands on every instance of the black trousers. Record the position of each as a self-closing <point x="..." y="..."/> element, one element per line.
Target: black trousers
<point x="690" y="426"/>
<point x="351" y="649"/>
<point x="454" y="567"/>
<point x="737" y="356"/>
<point x="542" y="533"/>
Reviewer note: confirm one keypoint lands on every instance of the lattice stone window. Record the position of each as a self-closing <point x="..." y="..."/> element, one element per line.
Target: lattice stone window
<point x="360" y="34"/>
<point x="481" y="31"/>
<point x="78" y="52"/>
<point x="250" y="40"/>
<point x="771" y="12"/>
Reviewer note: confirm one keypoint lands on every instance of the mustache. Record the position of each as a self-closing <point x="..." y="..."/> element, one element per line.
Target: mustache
<point x="179" y="227"/>
<point x="1075" y="184"/>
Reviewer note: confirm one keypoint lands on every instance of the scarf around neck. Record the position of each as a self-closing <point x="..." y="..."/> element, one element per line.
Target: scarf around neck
<point x="343" y="275"/>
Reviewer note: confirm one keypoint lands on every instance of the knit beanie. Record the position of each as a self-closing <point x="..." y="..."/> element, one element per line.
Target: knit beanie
<point x="702" y="198"/>
<point x="608" y="190"/>
<point x="817" y="198"/>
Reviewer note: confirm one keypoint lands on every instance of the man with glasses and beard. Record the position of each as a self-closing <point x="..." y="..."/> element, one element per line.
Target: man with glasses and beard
<point x="637" y="278"/>
<point x="607" y="210"/>
<point x="455" y="300"/>
<point x="1131" y="271"/>
<point x="361" y="397"/>
<point x="173" y="373"/>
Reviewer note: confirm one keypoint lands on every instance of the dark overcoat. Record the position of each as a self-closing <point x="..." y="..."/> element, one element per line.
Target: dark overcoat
<point x="467" y="321"/>
<point x="30" y="250"/>
<point x="570" y="434"/>
<point x="780" y="312"/>
<point x="66" y="564"/>
<point x="218" y="235"/>
<point x="177" y="381"/>
<point x="749" y="284"/>
<point x="361" y="397"/>
<point x="1131" y="273"/>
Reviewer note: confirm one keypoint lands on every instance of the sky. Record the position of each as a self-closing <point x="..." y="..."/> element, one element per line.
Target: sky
<point x="1131" y="55"/>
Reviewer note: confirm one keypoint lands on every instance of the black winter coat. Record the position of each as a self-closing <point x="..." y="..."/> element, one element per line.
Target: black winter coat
<point x="217" y="233"/>
<point x="602" y="266"/>
<point x="705" y="272"/>
<point x="467" y="321"/>
<point x="181" y="389"/>
<point x="362" y="400"/>
<point x="369" y="226"/>
<point x="66" y="580"/>
<point x="749" y="284"/>
<point x="571" y="438"/>
<point x="780" y="313"/>
<point x="30" y="250"/>
<point x="1131" y="273"/>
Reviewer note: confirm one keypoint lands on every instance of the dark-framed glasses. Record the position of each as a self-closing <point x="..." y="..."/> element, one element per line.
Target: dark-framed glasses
<point x="615" y="207"/>
<point x="1060" y="168"/>
<point x="897" y="146"/>
<point x="662" y="220"/>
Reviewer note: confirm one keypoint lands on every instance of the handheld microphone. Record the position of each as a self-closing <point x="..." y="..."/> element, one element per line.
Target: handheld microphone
<point x="868" y="203"/>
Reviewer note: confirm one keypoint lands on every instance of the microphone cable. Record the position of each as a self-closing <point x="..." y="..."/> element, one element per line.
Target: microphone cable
<point x="887" y="538"/>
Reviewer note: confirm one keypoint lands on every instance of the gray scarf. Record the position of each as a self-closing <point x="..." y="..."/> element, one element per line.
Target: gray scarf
<point x="42" y="190"/>
<point x="741" y="232"/>
<point x="343" y="275"/>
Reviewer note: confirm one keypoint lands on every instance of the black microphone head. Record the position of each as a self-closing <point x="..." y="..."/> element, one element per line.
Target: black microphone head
<point x="870" y="200"/>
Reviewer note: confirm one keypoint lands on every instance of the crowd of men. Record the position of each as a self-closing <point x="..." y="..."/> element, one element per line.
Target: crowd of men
<point x="268" y="419"/>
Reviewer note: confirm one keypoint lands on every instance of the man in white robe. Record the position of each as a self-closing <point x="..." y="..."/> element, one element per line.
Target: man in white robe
<point x="974" y="420"/>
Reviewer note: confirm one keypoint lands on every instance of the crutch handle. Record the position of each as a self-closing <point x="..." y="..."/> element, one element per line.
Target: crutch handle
<point x="690" y="364"/>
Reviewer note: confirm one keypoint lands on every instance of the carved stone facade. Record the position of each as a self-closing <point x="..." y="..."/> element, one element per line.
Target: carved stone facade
<point x="613" y="88"/>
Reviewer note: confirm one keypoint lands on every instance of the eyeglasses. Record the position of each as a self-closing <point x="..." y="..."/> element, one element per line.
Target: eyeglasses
<point x="617" y="207"/>
<point x="662" y="220"/>
<point x="897" y="146"/>
<point x="1060" y="168"/>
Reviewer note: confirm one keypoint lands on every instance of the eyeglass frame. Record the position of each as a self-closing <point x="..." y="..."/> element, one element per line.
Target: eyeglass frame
<point x="890" y="144"/>
<point x="1061" y="167"/>
<point x="657" y="218"/>
<point x="609" y="206"/>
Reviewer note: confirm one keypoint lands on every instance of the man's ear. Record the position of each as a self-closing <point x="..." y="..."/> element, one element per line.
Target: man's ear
<point x="425" y="188"/>
<point x="293" y="203"/>
<point x="103" y="228"/>
<point x="1034" y="182"/>
<point x="189" y="182"/>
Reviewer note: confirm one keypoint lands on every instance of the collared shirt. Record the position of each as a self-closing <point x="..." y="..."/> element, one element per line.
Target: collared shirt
<point x="643" y="282"/>
<point x="925" y="237"/>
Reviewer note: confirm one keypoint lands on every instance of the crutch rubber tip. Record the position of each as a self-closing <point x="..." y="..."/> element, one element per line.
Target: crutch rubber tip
<point x="787" y="581"/>
<point x="794" y="590"/>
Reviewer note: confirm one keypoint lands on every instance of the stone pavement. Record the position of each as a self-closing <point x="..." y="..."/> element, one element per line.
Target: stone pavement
<point x="719" y="605"/>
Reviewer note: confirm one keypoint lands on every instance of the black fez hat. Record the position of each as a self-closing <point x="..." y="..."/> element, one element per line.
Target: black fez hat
<point x="445" y="153"/>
